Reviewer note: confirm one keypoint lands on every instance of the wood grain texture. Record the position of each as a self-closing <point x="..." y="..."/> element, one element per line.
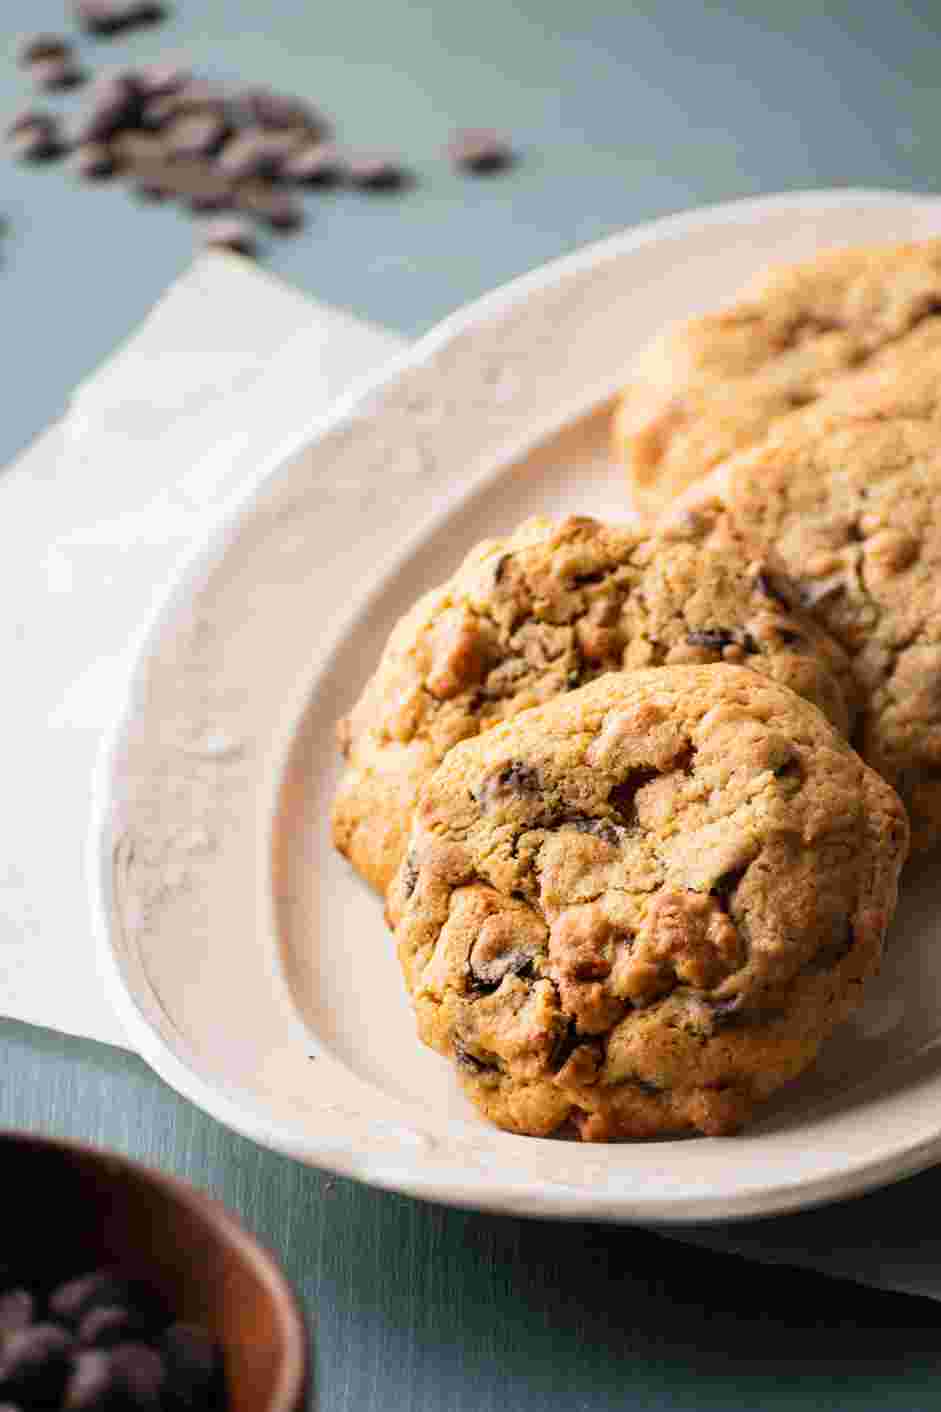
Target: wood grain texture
<point x="423" y="1309"/>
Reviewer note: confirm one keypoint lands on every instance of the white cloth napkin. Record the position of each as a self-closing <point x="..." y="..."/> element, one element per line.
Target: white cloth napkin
<point x="96" y="514"/>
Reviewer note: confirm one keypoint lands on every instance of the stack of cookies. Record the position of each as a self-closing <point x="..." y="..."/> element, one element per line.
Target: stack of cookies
<point x="607" y="779"/>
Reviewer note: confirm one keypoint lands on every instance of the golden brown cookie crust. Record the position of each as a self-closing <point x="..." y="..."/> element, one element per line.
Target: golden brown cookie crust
<point x="713" y="386"/>
<point x="641" y="908"/>
<point x="848" y="493"/>
<point x="548" y="609"/>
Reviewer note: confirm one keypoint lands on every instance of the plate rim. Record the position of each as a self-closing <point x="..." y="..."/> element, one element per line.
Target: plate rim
<point x="241" y="1110"/>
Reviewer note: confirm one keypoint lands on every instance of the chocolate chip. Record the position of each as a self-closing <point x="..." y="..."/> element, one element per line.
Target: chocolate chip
<point x="714" y="639"/>
<point x="160" y="80"/>
<point x="724" y="886"/>
<point x="599" y="828"/>
<point x="196" y="134"/>
<point x="93" y="161"/>
<point x="115" y="104"/>
<point x="563" y="1047"/>
<point x="315" y="164"/>
<point x="97" y="1289"/>
<point x="37" y="47"/>
<point x="573" y="680"/>
<point x="262" y="199"/>
<point x="515" y="780"/>
<point x="17" y="1308"/>
<point x="645" y="1085"/>
<point x="110" y="1324"/>
<point x="468" y="1061"/>
<point x="91" y="1385"/>
<point x="35" y="1364"/>
<point x="487" y="972"/>
<point x="108" y="17"/>
<point x="776" y="587"/>
<point x="479" y="150"/>
<point x="375" y="171"/>
<point x="725" y="1013"/>
<point x="34" y="137"/>
<point x="194" y="1368"/>
<point x="814" y="591"/>
<point x="278" y="110"/>
<point x="139" y="1375"/>
<point x="56" y="75"/>
<point x="623" y="796"/>
<point x="409" y="875"/>
<point x="254" y="153"/>
<point x="234" y="235"/>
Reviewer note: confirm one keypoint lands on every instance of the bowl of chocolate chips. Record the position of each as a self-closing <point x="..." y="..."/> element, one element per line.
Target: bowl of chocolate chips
<point x="124" y="1288"/>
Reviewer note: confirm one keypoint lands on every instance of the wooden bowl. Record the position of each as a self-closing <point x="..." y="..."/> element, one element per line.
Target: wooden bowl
<point x="70" y="1208"/>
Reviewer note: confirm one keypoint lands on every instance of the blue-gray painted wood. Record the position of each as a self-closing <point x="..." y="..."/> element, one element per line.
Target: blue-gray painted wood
<point x="623" y="111"/>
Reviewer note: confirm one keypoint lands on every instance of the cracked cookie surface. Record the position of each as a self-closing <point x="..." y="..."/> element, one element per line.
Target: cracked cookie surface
<point x="640" y="908"/>
<point x="849" y="495"/>
<point x="540" y="613"/>
<point x="714" y="385"/>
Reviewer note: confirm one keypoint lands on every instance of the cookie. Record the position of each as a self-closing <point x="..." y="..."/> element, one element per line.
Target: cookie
<point x="849" y="495"/>
<point x="540" y="613"/>
<point x="641" y="908"/>
<point x="714" y="385"/>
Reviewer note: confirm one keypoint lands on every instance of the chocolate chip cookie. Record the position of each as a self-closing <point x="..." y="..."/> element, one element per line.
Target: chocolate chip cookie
<point x="848" y="493"/>
<point x="540" y="613"/>
<point x="714" y="385"/>
<point x="640" y="908"/>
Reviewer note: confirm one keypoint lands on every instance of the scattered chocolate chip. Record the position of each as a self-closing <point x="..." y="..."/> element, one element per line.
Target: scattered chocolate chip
<point x="233" y="234"/>
<point x="255" y="153"/>
<point x="37" y="47"/>
<point x="115" y="104"/>
<point x="91" y="1384"/>
<point x="56" y="75"/>
<point x="109" y="17"/>
<point x="194" y="1369"/>
<point x="789" y="638"/>
<point x="110" y="1324"/>
<point x="196" y="134"/>
<point x="17" y="1308"/>
<point x="34" y="137"/>
<point x="160" y="80"/>
<point x="139" y="1375"/>
<point x="93" y="161"/>
<point x="573" y="680"/>
<point x="374" y="171"/>
<point x="279" y="208"/>
<point x="279" y="110"/>
<point x="479" y="150"/>
<point x="35" y="1364"/>
<point x="75" y="1298"/>
<point x="315" y="164"/>
<point x="714" y="639"/>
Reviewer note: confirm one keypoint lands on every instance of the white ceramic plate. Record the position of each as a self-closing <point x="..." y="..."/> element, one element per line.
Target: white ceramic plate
<point x="248" y="964"/>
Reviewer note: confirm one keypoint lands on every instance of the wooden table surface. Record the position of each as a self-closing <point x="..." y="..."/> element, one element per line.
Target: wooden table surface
<point x="622" y="112"/>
